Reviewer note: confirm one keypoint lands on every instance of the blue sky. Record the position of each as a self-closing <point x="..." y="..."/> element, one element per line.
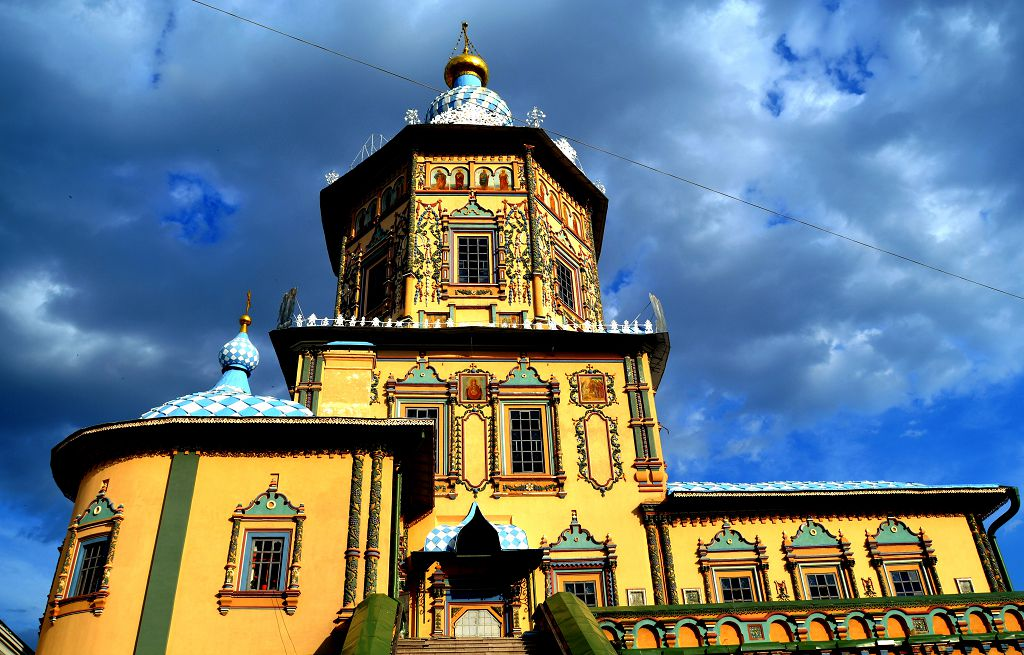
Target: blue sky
<point x="159" y="159"/>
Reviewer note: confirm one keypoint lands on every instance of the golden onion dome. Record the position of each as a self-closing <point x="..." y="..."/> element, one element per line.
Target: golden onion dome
<point x="464" y="63"/>
<point x="468" y="62"/>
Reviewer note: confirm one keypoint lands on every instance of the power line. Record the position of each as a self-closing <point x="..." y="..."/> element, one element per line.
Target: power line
<point x="319" y="47"/>
<point x="629" y="160"/>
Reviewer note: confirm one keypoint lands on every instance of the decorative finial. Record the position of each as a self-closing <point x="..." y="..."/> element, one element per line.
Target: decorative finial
<point x="412" y="117"/>
<point x="331" y="177"/>
<point x="244" y="321"/>
<point x="535" y="117"/>
<point x="467" y="68"/>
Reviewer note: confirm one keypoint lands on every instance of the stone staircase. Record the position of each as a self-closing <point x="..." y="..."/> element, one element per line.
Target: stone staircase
<point x="528" y="645"/>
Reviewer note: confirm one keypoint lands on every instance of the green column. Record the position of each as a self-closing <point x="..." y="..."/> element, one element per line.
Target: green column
<point x="158" y="605"/>
<point x="352" y="552"/>
<point x="372" y="551"/>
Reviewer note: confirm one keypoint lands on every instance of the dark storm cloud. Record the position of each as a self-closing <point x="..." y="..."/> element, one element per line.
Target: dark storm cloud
<point x="160" y="159"/>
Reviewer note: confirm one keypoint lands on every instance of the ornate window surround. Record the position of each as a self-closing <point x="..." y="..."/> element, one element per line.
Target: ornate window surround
<point x="523" y="388"/>
<point x="99" y="520"/>
<point x="423" y="387"/>
<point x="472" y="220"/>
<point x="813" y="549"/>
<point x="270" y="511"/>
<point x="577" y="557"/>
<point x="894" y="547"/>
<point x="729" y="554"/>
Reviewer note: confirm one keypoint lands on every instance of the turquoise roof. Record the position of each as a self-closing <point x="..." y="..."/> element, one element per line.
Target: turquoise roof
<point x="231" y="395"/>
<point x="791" y="485"/>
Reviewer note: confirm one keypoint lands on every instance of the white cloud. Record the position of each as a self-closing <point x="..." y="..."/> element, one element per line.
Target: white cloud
<point x="46" y="335"/>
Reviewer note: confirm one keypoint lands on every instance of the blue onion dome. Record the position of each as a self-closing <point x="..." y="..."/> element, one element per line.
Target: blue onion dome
<point x="231" y="395"/>
<point x="239" y="353"/>
<point x="468" y="100"/>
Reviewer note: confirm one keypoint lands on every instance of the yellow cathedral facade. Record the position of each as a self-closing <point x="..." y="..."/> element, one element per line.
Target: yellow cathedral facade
<point x="471" y="459"/>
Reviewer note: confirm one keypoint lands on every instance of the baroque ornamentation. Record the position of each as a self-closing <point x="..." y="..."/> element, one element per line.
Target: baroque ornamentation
<point x="591" y="398"/>
<point x="615" y="451"/>
<point x="374" y="384"/>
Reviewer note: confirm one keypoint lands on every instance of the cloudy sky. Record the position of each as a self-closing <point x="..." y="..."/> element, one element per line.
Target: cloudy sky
<point x="158" y="159"/>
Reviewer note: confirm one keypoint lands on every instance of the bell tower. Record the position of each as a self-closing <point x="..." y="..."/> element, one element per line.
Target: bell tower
<point x="466" y="219"/>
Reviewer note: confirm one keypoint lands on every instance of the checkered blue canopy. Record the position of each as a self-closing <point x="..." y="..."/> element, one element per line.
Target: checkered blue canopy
<point x="226" y="400"/>
<point x="442" y="538"/>
<point x="462" y="95"/>
<point x="239" y="353"/>
<point x="231" y="396"/>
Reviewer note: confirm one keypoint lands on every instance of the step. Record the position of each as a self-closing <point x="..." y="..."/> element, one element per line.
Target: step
<point x="466" y="646"/>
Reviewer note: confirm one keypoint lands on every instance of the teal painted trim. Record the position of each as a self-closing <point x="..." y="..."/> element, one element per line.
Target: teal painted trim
<point x="494" y="313"/>
<point x="90" y="515"/>
<point x="396" y="531"/>
<point x="318" y="376"/>
<point x="158" y="605"/>
<point x="830" y="605"/>
<point x="372" y="629"/>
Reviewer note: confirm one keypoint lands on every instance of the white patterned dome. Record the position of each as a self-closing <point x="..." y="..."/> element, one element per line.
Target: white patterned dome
<point x="460" y="101"/>
<point x="231" y="395"/>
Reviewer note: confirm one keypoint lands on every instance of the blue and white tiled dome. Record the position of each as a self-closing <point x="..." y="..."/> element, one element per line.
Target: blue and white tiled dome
<point x="460" y="96"/>
<point x="239" y="353"/>
<point x="442" y="538"/>
<point x="225" y="400"/>
<point x="231" y="395"/>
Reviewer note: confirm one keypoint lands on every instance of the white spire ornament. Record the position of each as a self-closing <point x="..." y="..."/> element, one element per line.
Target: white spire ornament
<point x="331" y="177"/>
<point x="570" y="152"/>
<point x="412" y="117"/>
<point x="535" y="117"/>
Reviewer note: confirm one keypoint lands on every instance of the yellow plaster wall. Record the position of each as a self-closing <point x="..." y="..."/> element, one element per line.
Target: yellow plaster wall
<point x="139" y="485"/>
<point x="951" y="539"/>
<point x="613" y="513"/>
<point x="322" y="484"/>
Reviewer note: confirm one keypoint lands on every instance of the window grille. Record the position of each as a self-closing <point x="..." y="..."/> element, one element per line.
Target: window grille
<point x="822" y="585"/>
<point x="90" y="572"/>
<point x="527" y="439"/>
<point x="474" y="260"/>
<point x="266" y="561"/>
<point x="431" y="414"/>
<point x="585" y="591"/>
<point x="907" y="583"/>
<point x="737" y="590"/>
<point x="566" y="289"/>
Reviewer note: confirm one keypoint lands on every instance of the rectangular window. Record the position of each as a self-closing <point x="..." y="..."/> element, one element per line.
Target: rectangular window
<point x="585" y="591"/>
<point x="822" y="585"/>
<point x="265" y="562"/>
<point x="736" y="590"/>
<point x="429" y="413"/>
<point x="636" y="597"/>
<point x="527" y="440"/>
<point x="474" y="260"/>
<point x="375" y="291"/>
<point x="907" y="583"/>
<point x="566" y="286"/>
<point x="92" y="557"/>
